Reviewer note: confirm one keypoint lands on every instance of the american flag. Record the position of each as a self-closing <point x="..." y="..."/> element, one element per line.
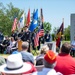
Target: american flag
<point x="14" y="25"/>
<point x="38" y="34"/>
<point x="41" y="32"/>
<point x="36" y="39"/>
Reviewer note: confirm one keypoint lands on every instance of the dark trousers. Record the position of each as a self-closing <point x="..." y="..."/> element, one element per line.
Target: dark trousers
<point x="33" y="46"/>
<point x="39" y="45"/>
<point x="2" y="49"/>
<point x="29" y="49"/>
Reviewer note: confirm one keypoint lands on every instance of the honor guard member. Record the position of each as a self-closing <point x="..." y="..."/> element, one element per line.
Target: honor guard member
<point x="47" y="37"/>
<point x="26" y="36"/>
<point x="32" y="40"/>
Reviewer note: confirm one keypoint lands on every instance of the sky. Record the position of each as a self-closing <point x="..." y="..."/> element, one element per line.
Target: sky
<point x="53" y="10"/>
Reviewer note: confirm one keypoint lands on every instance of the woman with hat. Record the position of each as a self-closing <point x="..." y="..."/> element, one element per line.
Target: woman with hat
<point x="15" y="66"/>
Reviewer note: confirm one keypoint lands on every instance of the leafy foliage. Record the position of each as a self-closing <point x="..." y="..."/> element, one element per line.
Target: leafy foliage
<point x="7" y="16"/>
<point x="67" y="33"/>
<point x="47" y="26"/>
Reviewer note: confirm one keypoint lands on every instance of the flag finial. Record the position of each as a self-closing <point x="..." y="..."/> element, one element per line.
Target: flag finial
<point x="63" y="20"/>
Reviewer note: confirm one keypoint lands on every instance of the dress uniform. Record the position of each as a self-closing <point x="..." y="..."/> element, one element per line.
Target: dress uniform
<point x="26" y="36"/>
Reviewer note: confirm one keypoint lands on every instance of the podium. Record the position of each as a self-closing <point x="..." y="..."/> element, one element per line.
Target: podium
<point x="20" y="45"/>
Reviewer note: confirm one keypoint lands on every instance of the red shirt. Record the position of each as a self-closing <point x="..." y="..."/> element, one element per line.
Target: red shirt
<point x="65" y="64"/>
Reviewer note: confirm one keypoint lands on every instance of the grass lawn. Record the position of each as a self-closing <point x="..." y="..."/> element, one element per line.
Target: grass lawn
<point x="65" y="41"/>
<point x="4" y="55"/>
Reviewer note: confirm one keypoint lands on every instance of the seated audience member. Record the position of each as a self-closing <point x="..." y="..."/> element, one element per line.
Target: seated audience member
<point x="65" y="63"/>
<point x="33" y="69"/>
<point x="4" y="44"/>
<point x="49" y="64"/>
<point x="16" y="66"/>
<point x="12" y="47"/>
<point x="39" y="58"/>
<point x="14" y="35"/>
<point x="73" y="47"/>
<point x="2" y="60"/>
<point x="26" y="56"/>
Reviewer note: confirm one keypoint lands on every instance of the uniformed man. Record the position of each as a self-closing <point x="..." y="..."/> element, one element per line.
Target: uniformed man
<point x="47" y="37"/>
<point x="15" y="35"/>
<point x="33" y="36"/>
<point x="4" y="44"/>
<point x="26" y="36"/>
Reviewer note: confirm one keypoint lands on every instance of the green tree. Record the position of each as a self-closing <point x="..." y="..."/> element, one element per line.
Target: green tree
<point x="7" y="16"/>
<point x="67" y="33"/>
<point x="47" y="26"/>
<point x="54" y="33"/>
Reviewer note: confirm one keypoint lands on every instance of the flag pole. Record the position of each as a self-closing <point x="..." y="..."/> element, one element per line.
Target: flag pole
<point x="63" y="30"/>
<point x="62" y="20"/>
<point x="63" y="23"/>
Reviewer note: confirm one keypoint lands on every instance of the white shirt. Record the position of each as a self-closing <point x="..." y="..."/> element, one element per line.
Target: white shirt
<point x="12" y="45"/>
<point x="46" y="71"/>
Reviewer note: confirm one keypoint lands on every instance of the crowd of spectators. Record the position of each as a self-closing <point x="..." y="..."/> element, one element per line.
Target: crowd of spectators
<point x="23" y="62"/>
